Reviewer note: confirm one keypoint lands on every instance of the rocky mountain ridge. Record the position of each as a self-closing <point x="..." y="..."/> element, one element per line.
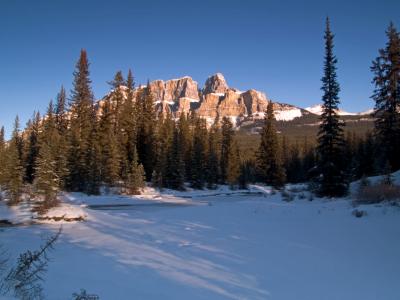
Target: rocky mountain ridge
<point x="217" y="99"/>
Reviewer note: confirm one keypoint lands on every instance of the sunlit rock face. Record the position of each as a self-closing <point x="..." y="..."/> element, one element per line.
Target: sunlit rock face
<point x="215" y="84"/>
<point x="215" y="101"/>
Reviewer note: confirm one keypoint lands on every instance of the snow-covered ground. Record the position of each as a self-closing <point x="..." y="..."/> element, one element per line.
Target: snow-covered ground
<point x="218" y="244"/>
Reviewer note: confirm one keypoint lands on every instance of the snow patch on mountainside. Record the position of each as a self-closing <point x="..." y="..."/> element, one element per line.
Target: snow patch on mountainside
<point x="281" y="114"/>
<point x="287" y="115"/>
<point x="318" y="109"/>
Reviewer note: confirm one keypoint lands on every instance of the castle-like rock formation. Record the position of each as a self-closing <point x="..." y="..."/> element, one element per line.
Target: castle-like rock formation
<point x="215" y="99"/>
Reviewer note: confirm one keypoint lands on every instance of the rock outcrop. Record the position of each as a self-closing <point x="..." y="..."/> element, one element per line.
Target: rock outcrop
<point x="209" y="106"/>
<point x="216" y="99"/>
<point x="232" y="105"/>
<point x="172" y="90"/>
<point x="255" y="101"/>
<point x="215" y="84"/>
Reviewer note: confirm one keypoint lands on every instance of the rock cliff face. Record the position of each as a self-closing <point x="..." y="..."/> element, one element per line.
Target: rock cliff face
<point x="215" y="84"/>
<point x="216" y="99"/>
<point x="255" y="101"/>
<point x="232" y="105"/>
<point x="172" y="90"/>
<point x="209" y="106"/>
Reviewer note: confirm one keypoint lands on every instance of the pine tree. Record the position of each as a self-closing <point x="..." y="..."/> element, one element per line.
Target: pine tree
<point x="60" y="112"/>
<point x="136" y="176"/>
<point x="13" y="167"/>
<point x="164" y="147"/>
<point x="146" y="133"/>
<point x="160" y="143"/>
<point x="82" y="131"/>
<point x="331" y="179"/>
<point x="213" y="165"/>
<point x="47" y="180"/>
<point x="117" y="101"/>
<point x="93" y="157"/>
<point x="245" y="176"/>
<point x="61" y="151"/>
<point x="233" y="165"/>
<point x="269" y="160"/>
<point x="386" y="70"/>
<point x="185" y="138"/>
<point x="175" y="170"/>
<point x="31" y="147"/>
<point x="199" y="151"/>
<point x="110" y="160"/>
<point x="2" y="157"/>
<point x="227" y="133"/>
<point x="128" y="120"/>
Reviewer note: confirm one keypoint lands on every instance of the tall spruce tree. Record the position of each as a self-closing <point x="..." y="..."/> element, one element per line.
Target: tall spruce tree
<point x="330" y="172"/>
<point x="2" y="157"/>
<point x="175" y="169"/>
<point x="159" y="154"/>
<point x="109" y="157"/>
<point x="199" y="151"/>
<point x="164" y="138"/>
<point x="136" y="177"/>
<point x="61" y="151"/>
<point x="31" y="147"/>
<point x="227" y="133"/>
<point x="146" y="131"/>
<point x="47" y="180"/>
<point x="93" y="156"/>
<point x="269" y="157"/>
<point x="386" y="70"/>
<point x="13" y="167"/>
<point x="213" y="165"/>
<point x="185" y="138"/>
<point x="60" y="111"/>
<point x="82" y="131"/>
<point x="117" y="100"/>
<point x="245" y="175"/>
<point x="233" y="165"/>
<point x="128" y="120"/>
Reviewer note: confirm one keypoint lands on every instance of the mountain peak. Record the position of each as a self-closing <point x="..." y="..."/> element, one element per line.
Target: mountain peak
<point x="215" y="84"/>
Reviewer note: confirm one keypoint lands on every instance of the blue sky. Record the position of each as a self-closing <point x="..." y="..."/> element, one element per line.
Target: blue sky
<point x="272" y="46"/>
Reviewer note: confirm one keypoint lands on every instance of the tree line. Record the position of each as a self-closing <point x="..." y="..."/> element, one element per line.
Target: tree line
<point x="122" y="141"/>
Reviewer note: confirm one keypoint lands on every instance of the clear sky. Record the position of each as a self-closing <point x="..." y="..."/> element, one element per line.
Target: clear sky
<point x="272" y="46"/>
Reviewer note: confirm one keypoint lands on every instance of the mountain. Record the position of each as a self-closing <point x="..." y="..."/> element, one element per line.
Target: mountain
<point x="317" y="109"/>
<point x="216" y="99"/>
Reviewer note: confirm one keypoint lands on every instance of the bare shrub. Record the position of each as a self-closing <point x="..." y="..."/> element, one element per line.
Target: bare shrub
<point x="24" y="280"/>
<point x="287" y="196"/>
<point x="369" y="194"/>
<point x="302" y="196"/>
<point x="310" y="197"/>
<point x="359" y="213"/>
<point x="83" y="295"/>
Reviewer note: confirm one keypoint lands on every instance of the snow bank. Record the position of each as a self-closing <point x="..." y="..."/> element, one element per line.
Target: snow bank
<point x="16" y="214"/>
<point x="374" y="180"/>
<point x="64" y="213"/>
